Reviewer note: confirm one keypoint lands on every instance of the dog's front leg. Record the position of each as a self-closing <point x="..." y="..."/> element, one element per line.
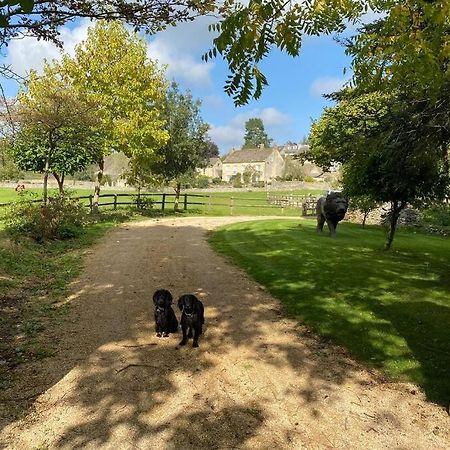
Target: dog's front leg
<point x="197" y="333"/>
<point x="166" y="329"/>
<point x="184" y="329"/>
<point x="158" y="328"/>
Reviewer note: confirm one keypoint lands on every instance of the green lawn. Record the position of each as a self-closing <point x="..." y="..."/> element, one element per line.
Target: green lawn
<point x="390" y="309"/>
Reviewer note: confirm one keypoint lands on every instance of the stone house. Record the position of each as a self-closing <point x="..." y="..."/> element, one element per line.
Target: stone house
<point x="213" y="169"/>
<point x="265" y="164"/>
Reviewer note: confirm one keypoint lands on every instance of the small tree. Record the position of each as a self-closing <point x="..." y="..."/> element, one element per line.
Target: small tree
<point x="187" y="147"/>
<point x="255" y="134"/>
<point x="385" y="154"/>
<point x="58" y="131"/>
<point x="365" y="204"/>
<point x="8" y="167"/>
<point x="111" y="68"/>
<point x="213" y="150"/>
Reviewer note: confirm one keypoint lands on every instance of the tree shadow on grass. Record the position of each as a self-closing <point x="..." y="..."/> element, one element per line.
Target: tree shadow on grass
<point x="391" y="310"/>
<point x="113" y="384"/>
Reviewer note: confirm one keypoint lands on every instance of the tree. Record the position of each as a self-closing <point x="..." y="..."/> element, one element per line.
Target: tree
<point x="407" y="52"/>
<point x="187" y="147"/>
<point x="8" y="168"/>
<point x="415" y="30"/>
<point x="213" y="150"/>
<point x="365" y="204"/>
<point x="111" y="68"/>
<point x="43" y="19"/>
<point x="255" y="134"/>
<point x="58" y="128"/>
<point x="384" y="154"/>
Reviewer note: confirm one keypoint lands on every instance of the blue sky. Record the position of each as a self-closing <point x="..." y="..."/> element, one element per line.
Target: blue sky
<point x="287" y="106"/>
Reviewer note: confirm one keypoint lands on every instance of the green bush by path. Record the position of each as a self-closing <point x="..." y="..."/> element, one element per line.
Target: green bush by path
<point x="390" y="309"/>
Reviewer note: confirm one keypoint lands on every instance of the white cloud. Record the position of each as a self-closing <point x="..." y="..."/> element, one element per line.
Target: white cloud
<point x="326" y="85"/>
<point x="214" y="101"/>
<point x="181" y="47"/>
<point x="232" y="133"/>
<point x="29" y="53"/>
<point x="226" y="136"/>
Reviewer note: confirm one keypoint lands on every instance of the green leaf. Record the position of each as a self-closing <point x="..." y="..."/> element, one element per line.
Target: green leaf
<point x="27" y="6"/>
<point x="4" y="21"/>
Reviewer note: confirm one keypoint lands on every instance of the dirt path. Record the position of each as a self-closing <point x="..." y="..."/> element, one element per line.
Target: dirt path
<point x="257" y="380"/>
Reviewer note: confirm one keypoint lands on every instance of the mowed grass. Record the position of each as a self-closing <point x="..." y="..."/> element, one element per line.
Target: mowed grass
<point x="390" y="309"/>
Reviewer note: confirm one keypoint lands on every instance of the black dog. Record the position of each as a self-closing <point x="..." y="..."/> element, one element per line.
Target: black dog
<point x="192" y="317"/>
<point x="165" y="320"/>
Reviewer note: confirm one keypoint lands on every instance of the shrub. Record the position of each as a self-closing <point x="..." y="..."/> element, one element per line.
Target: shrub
<point x="439" y="216"/>
<point x="107" y="180"/>
<point x="236" y="180"/>
<point x="258" y="184"/>
<point x="10" y="172"/>
<point x="217" y="180"/>
<point x="144" y="202"/>
<point x="308" y="179"/>
<point x="61" y="218"/>
<point x="201" y="181"/>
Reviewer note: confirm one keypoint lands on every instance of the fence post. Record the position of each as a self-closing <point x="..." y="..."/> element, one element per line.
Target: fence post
<point x="115" y="202"/>
<point x="209" y="203"/>
<point x="163" y="205"/>
<point x="231" y="205"/>
<point x="90" y="202"/>
<point x="185" y="202"/>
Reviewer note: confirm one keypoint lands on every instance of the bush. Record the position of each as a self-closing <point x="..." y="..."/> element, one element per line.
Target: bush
<point x="10" y="172"/>
<point x="61" y="218"/>
<point x="439" y="216"/>
<point x="107" y="180"/>
<point x="236" y="180"/>
<point x="308" y="179"/>
<point x="201" y="181"/>
<point x="217" y="180"/>
<point x="258" y="184"/>
<point x="144" y="202"/>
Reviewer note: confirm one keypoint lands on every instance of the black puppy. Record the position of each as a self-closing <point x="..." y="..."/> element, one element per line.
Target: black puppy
<point x="165" y="320"/>
<point x="192" y="317"/>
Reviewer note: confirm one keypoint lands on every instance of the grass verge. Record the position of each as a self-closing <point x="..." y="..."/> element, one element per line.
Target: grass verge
<point x="390" y="309"/>
<point x="33" y="279"/>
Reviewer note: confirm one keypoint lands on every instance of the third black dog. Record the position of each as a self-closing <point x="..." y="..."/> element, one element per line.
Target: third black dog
<point x="165" y="320"/>
<point x="192" y="318"/>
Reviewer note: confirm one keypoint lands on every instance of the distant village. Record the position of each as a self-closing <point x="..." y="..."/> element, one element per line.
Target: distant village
<point x="288" y="162"/>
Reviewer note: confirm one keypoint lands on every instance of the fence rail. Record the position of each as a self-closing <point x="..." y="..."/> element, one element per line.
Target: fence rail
<point x="306" y="203"/>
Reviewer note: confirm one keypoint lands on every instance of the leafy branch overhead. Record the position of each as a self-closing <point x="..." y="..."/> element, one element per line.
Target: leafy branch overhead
<point x="247" y="34"/>
<point x="43" y="19"/>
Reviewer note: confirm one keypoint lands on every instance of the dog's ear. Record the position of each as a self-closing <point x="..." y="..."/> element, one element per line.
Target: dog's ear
<point x="197" y="302"/>
<point x="168" y="298"/>
<point x="155" y="297"/>
<point x="180" y="303"/>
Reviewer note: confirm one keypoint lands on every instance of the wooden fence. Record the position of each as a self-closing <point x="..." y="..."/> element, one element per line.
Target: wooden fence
<point x="306" y="204"/>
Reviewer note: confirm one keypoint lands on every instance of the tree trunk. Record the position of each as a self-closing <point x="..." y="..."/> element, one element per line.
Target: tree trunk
<point x="98" y="184"/>
<point x="366" y="213"/>
<point x="60" y="181"/>
<point x="139" y="197"/>
<point x="177" y="196"/>
<point x="46" y="170"/>
<point x="396" y="209"/>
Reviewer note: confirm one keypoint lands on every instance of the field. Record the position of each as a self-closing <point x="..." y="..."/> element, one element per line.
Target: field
<point x="203" y="202"/>
<point x="390" y="309"/>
